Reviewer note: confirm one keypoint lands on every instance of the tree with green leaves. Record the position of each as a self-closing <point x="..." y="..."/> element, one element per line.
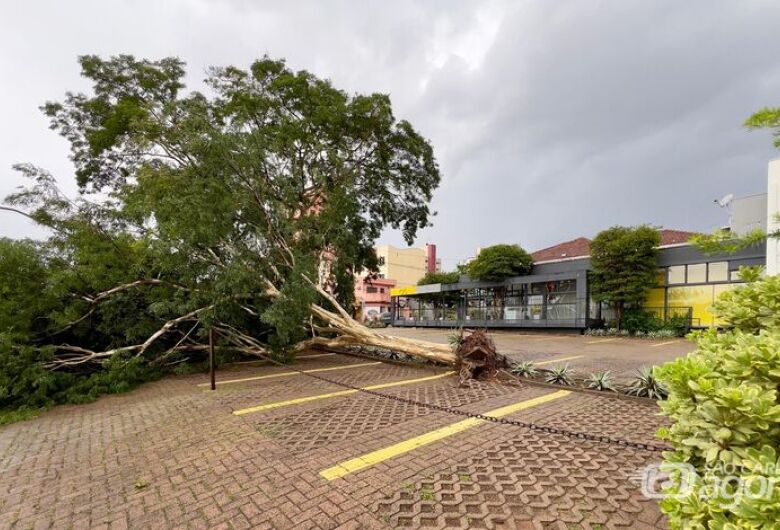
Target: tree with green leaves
<point x="447" y="299"/>
<point x="245" y="208"/>
<point x="496" y="264"/>
<point x="499" y="262"/>
<point x="624" y="266"/>
<point x="438" y="277"/>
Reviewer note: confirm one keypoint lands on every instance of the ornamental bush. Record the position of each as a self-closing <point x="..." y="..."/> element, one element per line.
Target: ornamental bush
<point x="725" y="412"/>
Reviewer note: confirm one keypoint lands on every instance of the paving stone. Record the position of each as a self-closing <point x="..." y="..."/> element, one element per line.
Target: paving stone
<point x="172" y="455"/>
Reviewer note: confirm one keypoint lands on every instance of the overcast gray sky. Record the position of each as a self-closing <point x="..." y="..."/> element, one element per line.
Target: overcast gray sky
<point x="550" y="120"/>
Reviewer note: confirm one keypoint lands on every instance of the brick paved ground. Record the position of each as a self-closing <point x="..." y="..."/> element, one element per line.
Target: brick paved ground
<point x="171" y="455"/>
<point x="621" y="356"/>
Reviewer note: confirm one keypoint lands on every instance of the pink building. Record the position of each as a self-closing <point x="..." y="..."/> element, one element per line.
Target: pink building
<point x="372" y="297"/>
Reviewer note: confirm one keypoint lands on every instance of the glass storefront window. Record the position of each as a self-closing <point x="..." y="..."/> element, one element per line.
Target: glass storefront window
<point x="718" y="271"/>
<point x="677" y="274"/>
<point x="699" y="298"/>
<point x="661" y="277"/>
<point x="697" y="273"/>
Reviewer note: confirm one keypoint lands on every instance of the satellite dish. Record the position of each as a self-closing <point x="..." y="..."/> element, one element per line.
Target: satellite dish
<point x="725" y="201"/>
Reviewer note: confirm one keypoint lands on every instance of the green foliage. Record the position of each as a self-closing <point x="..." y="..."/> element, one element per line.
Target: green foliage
<point x="525" y="369"/>
<point x="635" y="320"/>
<point x="499" y="262"/>
<point x="641" y="323"/>
<point x="24" y="382"/>
<point x="766" y="118"/>
<point x="724" y="241"/>
<point x="197" y="209"/>
<point x="600" y="381"/>
<point x="23" y="278"/>
<point x="725" y="412"/>
<point x="455" y="338"/>
<point x="624" y="266"/>
<point x="753" y="306"/>
<point x="560" y="375"/>
<point x="724" y="403"/>
<point x="27" y="387"/>
<point x="448" y="298"/>
<point x="646" y="384"/>
<point x="439" y="277"/>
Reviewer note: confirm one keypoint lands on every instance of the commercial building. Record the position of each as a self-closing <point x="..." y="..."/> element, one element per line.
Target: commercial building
<point x="556" y="293"/>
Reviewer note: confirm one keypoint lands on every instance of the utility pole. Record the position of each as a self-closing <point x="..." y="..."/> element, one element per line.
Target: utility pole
<point x="212" y="372"/>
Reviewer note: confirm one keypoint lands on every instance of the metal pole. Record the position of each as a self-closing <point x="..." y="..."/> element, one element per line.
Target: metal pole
<point x="212" y="371"/>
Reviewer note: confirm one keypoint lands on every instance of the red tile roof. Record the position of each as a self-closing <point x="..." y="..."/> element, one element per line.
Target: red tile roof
<point x="580" y="247"/>
<point x="570" y="249"/>
<point x="675" y="237"/>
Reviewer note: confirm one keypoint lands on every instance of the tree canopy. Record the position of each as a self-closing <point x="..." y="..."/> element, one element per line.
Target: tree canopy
<point x="439" y="277"/>
<point x="624" y="266"/>
<point x="237" y="207"/>
<point x="499" y="262"/>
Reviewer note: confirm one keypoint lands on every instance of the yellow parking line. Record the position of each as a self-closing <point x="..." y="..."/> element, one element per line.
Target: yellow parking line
<point x="340" y="393"/>
<point x="558" y="360"/>
<point x="601" y="341"/>
<point x="287" y="374"/>
<point x="375" y="457"/>
<point x="664" y="343"/>
<point x="315" y="356"/>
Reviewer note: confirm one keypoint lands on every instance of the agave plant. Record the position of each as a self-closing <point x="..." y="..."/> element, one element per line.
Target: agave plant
<point x="600" y="381"/>
<point x="525" y="369"/>
<point x="559" y="375"/>
<point x="646" y="385"/>
<point x="455" y="338"/>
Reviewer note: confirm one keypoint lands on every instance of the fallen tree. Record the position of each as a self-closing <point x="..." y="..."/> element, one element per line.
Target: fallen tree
<point x="246" y="208"/>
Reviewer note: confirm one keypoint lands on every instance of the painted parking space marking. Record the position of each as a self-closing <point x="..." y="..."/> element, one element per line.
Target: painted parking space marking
<point x="306" y="399"/>
<point x="601" y="341"/>
<point x="297" y="357"/>
<point x="288" y="374"/>
<point x="663" y="343"/>
<point x="374" y="457"/>
<point x="558" y="360"/>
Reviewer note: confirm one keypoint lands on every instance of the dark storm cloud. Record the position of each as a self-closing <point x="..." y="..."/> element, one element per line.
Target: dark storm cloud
<point x="550" y="119"/>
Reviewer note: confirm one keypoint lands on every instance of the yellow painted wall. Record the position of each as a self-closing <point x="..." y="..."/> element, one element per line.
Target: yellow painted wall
<point x="656" y="298"/>
<point x="404" y="265"/>
<point x="700" y="298"/>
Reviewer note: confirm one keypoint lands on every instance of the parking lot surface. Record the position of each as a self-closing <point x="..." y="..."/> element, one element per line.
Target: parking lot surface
<point x="623" y="357"/>
<point x="273" y="448"/>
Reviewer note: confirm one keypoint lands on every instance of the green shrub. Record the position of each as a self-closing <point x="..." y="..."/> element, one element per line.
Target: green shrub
<point x="26" y="387"/>
<point x="560" y="375"/>
<point x="637" y="320"/>
<point x="645" y="384"/>
<point x="525" y="369"/>
<point x="600" y="381"/>
<point x="723" y="403"/>
<point x="678" y="324"/>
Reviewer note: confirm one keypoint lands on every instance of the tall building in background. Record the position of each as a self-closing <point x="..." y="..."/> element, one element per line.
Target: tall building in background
<point x="407" y="265"/>
<point x="398" y="267"/>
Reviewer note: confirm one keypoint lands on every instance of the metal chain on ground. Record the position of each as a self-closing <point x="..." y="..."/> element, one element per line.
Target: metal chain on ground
<point x="599" y="438"/>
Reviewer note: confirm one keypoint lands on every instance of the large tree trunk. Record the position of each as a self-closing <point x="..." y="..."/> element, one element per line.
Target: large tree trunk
<point x="340" y="331"/>
<point x="334" y="329"/>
